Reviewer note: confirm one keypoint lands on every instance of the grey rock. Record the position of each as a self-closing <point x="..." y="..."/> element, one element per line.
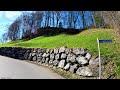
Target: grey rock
<point x="83" y="51"/>
<point x="61" y="64"/>
<point x="51" y="51"/>
<point x="84" y="71"/>
<point x="76" y="66"/>
<point x="30" y="56"/>
<point x="26" y="56"/>
<point x="51" y="62"/>
<point x="39" y="55"/>
<point x="63" y="56"/>
<point x="52" y="56"/>
<point x="39" y="58"/>
<point x="43" y="60"/>
<point x="101" y="59"/>
<point x="73" y="68"/>
<point x="34" y="58"/>
<point x="39" y="50"/>
<point x="48" y="51"/>
<point x="57" y="56"/>
<point x="71" y="58"/>
<point x="62" y="49"/>
<point x="56" y="50"/>
<point x="28" y="51"/>
<point x="33" y="54"/>
<point x="47" y="55"/>
<point x="34" y="50"/>
<point x="55" y="62"/>
<point x="67" y="66"/>
<point x="43" y="50"/>
<point x="77" y="51"/>
<point x="44" y="55"/>
<point x="47" y="60"/>
<point x="82" y="60"/>
<point x="67" y="50"/>
<point x="95" y="61"/>
<point x="88" y="56"/>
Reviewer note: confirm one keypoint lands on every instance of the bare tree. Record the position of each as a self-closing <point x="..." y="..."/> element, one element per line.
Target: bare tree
<point x="25" y="24"/>
<point x="82" y="13"/>
<point x="13" y="31"/>
<point x="4" y="38"/>
<point x="31" y="22"/>
<point x="91" y="17"/>
<point x="75" y="17"/>
<point x="17" y="23"/>
<point x="53" y="18"/>
<point x="70" y="16"/>
<point x="28" y="23"/>
<point x="47" y="17"/>
<point x="58" y="15"/>
<point x="38" y="19"/>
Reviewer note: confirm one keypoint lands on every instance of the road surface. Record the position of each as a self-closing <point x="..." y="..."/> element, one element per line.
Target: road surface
<point x="16" y="69"/>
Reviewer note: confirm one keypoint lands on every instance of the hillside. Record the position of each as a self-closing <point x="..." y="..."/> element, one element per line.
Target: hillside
<point x="86" y="39"/>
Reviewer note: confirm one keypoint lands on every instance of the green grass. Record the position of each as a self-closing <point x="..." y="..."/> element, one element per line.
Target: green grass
<point x="86" y="39"/>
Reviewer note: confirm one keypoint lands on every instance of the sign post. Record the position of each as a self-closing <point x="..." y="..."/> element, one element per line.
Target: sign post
<point x="99" y="59"/>
<point x="101" y="41"/>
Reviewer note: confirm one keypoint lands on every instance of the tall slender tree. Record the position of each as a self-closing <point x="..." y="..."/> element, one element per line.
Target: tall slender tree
<point x="58" y="15"/>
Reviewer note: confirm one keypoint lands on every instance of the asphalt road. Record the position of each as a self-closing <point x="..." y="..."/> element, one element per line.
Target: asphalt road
<point x="17" y="69"/>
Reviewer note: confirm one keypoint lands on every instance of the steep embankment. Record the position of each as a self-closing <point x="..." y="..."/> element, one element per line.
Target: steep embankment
<point x="85" y="39"/>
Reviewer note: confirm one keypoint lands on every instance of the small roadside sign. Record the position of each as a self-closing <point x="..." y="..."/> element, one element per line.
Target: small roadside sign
<point x="105" y="41"/>
<point x="101" y="41"/>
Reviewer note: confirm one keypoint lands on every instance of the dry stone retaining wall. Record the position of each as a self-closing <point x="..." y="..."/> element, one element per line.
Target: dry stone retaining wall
<point x="75" y="60"/>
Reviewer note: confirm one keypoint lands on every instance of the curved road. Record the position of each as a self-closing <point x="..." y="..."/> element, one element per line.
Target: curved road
<point x="17" y="69"/>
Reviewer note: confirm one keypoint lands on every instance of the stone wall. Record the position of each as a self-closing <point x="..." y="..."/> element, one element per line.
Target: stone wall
<point x="75" y="60"/>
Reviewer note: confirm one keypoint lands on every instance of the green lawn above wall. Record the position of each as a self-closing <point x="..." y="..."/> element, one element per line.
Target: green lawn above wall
<point x="86" y="39"/>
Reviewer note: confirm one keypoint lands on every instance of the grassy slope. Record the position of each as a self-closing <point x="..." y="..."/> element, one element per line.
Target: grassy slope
<point x="85" y="39"/>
